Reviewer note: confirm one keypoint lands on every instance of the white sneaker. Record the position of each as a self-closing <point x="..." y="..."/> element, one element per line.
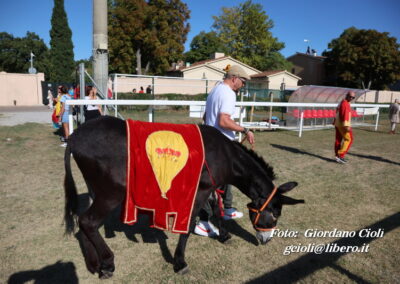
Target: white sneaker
<point x="340" y="160"/>
<point x="206" y="229"/>
<point x="232" y="213"/>
<point x="63" y="145"/>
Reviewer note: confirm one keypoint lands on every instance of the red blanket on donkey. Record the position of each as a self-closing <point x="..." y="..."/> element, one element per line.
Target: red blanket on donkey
<point x="163" y="172"/>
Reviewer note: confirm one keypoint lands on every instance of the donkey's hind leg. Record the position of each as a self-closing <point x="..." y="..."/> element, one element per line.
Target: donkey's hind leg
<point x="89" y="223"/>
<point x="89" y="252"/>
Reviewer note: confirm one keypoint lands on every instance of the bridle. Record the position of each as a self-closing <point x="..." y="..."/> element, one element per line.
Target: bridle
<point x="258" y="211"/>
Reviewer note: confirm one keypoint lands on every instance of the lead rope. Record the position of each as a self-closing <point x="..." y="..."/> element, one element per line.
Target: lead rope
<point x="244" y="140"/>
<point x="217" y="190"/>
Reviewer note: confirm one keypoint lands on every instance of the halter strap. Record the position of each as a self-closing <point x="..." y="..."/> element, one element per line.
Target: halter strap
<point x="258" y="211"/>
<point x="218" y="191"/>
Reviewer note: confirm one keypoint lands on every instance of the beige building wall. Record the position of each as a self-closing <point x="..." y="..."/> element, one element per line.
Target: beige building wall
<point x="21" y="89"/>
<point x="164" y="85"/>
<point x="203" y="72"/>
<point x="276" y="81"/>
<point x="374" y="96"/>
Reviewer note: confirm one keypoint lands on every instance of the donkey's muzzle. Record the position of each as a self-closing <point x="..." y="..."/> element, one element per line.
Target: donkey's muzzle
<point x="264" y="236"/>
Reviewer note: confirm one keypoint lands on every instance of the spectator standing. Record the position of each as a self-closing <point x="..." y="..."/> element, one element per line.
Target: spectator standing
<point x="220" y="107"/>
<point x="92" y="111"/>
<point x="109" y="94"/>
<point x="344" y="133"/>
<point x="64" y="113"/>
<point x="77" y="92"/>
<point x="148" y="89"/>
<point x="394" y="115"/>
<point x="71" y="91"/>
<point x="57" y="110"/>
<point x="141" y="90"/>
<point x="50" y="98"/>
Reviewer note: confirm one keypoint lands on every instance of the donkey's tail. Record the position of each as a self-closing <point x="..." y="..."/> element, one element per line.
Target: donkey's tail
<point x="71" y="195"/>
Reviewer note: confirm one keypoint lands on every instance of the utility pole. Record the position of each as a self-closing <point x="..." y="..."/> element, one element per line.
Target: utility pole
<point x="100" y="46"/>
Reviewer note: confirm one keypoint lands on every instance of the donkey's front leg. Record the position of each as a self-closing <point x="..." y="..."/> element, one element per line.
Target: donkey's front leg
<point x="180" y="265"/>
<point x="224" y="235"/>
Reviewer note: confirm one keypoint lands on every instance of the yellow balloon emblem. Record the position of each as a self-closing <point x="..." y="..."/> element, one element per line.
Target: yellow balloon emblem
<point x="168" y="154"/>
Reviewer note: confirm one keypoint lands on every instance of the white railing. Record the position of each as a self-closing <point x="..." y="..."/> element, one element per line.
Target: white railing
<point x="152" y="103"/>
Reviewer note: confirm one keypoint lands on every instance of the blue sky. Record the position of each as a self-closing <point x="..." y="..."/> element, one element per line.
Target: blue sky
<point x="294" y="20"/>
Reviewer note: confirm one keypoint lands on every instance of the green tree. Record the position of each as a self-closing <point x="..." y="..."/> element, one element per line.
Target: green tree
<point x="126" y="19"/>
<point x="169" y="29"/>
<point x="363" y="56"/>
<point x="15" y="53"/>
<point x="203" y="45"/>
<point x="245" y="32"/>
<point x="61" y="48"/>
<point x="148" y="34"/>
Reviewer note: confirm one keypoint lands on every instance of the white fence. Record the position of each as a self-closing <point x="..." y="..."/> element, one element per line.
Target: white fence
<point x="151" y="103"/>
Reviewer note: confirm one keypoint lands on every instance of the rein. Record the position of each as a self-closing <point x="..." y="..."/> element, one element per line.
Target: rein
<point x="244" y="140"/>
<point x="258" y="211"/>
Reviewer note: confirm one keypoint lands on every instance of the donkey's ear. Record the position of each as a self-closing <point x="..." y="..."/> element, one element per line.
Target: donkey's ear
<point x="286" y="200"/>
<point x="283" y="188"/>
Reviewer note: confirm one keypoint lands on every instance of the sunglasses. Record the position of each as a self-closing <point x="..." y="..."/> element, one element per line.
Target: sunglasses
<point x="351" y="97"/>
<point x="243" y="81"/>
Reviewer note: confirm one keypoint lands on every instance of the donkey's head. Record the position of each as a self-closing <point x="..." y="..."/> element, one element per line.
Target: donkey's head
<point x="264" y="211"/>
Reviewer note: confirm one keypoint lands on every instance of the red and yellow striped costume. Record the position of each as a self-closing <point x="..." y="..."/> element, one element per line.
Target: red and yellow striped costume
<point x="344" y="138"/>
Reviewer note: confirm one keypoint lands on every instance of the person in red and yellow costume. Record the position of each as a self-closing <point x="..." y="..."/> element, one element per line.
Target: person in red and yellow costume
<point x="344" y="133"/>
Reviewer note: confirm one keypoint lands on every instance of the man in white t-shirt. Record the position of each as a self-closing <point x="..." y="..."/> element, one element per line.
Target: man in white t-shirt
<point x="220" y="108"/>
<point x="221" y="101"/>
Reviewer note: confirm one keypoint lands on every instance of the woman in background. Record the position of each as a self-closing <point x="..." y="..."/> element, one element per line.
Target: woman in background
<point x="394" y="116"/>
<point x="64" y="113"/>
<point x="92" y="111"/>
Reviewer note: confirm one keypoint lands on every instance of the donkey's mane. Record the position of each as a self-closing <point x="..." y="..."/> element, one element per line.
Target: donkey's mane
<point x="268" y="169"/>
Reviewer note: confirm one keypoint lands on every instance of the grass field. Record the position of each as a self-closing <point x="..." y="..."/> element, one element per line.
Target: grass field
<point x="360" y="195"/>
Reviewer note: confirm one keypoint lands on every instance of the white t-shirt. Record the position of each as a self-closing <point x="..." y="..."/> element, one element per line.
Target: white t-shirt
<point x="91" y="107"/>
<point x="222" y="99"/>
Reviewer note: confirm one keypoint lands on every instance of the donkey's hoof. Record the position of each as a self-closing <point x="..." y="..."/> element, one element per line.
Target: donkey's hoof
<point x="183" y="270"/>
<point x="225" y="238"/>
<point x="105" y="274"/>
